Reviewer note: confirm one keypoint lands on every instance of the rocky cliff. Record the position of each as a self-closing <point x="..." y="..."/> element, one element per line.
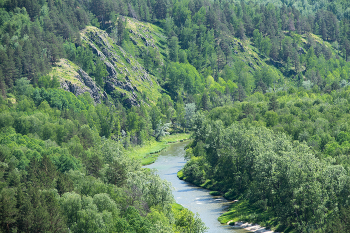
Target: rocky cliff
<point x="127" y="78"/>
<point x="77" y="81"/>
<point x="126" y="75"/>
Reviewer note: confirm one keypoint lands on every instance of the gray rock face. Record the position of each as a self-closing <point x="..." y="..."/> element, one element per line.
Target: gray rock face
<point x="132" y="99"/>
<point x="110" y="68"/>
<point x="88" y="86"/>
<point x="65" y="85"/>
<point x="106" y="55"/>
<point x="241" y="46"/>
<point x="109" y="87"/>
<point x="129" y="102"/>
<point x="94" y="90"/>
<point x="119" y="64"/>
<point x="74" y="88"/>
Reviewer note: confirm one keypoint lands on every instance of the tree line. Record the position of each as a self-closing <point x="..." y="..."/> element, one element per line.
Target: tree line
<point x="62" y="152"/>
<point x="199" y="33"/>
<point x="63" y="167"/>
<point x="284" y="152"/>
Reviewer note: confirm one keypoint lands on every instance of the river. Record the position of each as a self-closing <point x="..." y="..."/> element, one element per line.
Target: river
<point x="196" y="199"/>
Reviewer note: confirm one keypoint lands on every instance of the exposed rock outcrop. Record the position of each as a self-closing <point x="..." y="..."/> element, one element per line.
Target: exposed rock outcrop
<point x="110" y="68"/>
<point x="124" y="71"/>
<point x="241" y="46"/>
<point x="94" y="90"/>
<point x="132" y="99"/>
<point x="86" y="85"/>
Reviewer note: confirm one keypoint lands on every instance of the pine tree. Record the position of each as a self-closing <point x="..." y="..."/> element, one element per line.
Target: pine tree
<point x="2" y="85"/>
<point x="174" y="49"/>
<point x="205" y="101"/>
<point x="273" y="103"/>
<point x="241" y="31"/>
<point x="120" y="30"/>
<point x="220" y="58"/>
<point x="296" y="59"/>
<point x="324" y="30"/>
<point x="8" y="67"/>
<point x="291" y="26"/>
<point x="240" y="93"/>
<point x="160" y="8"/>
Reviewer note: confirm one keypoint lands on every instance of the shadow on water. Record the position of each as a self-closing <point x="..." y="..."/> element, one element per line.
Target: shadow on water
<point x="171" y="174"/>
<point x="196" y="199"/>
<point x="184" y="190"/>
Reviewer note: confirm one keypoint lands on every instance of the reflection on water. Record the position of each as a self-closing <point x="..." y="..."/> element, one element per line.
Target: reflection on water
<point x="196" y="199"/>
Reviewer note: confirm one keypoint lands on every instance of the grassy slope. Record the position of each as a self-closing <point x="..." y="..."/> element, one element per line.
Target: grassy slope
<point x="148" y="153"/>
<point x="143" y="34"/>
<point x="252" y="57"/>
<point x="66" y="70"/>
<point x="249" y="55"/>
<point x="129" y="68"/>
<point x="141" y="31"/>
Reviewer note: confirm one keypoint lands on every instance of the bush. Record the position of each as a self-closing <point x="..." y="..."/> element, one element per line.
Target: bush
<point x="215" y="193"/>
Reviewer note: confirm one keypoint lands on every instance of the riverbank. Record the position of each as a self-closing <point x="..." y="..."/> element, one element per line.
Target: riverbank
<point x="252" y="218"/>
<point x="193" y="198"/>
<point x="241" y="214"/>
<point x="149" y="152"/>
<point x="251" y="227"/>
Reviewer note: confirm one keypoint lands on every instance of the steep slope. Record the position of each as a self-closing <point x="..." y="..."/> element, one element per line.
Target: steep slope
<point x="132" y="82"/>
<point x="73" y="79"/>
<point x="147" y="37"/>
<point x="127" y="78"/>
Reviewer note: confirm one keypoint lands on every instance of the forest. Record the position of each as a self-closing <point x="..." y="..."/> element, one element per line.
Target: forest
<point x="263" y="86"/>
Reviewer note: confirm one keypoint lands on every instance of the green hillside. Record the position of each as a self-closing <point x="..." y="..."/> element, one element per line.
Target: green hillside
<point x="89" y="89"/>
<point x="126" y="75"/>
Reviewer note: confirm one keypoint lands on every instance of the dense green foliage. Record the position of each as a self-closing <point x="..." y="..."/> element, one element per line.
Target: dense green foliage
<point x="32" y="34"/>
<point x="286" y="153"/>
<point x="337" y="7"/>
<point x="60" y="172"/>
<point x="196" y="35"/>
<point x="268" y="78"/>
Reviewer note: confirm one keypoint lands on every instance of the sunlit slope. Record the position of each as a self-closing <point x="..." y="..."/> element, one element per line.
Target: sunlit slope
<point x="127" y="77"/>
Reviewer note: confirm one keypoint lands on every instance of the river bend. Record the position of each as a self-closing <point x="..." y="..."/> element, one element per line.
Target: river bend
<point x="196" y="199"/>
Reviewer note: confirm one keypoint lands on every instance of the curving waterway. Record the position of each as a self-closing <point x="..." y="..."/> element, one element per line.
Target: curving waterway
<point x="196" y="199"/>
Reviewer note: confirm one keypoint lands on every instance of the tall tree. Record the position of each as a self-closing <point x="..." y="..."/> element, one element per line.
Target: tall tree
<point x="174" y="49"/>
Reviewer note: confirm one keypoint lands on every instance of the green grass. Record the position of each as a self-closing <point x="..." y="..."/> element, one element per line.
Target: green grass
<point x="148" y="153"/>
<point x="66" y="70"/>
<point x="177" y="207"/>
<point x="244" y="211"/>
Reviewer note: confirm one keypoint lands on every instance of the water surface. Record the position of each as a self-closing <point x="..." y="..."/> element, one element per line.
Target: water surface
<point x="196" y="199"/>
